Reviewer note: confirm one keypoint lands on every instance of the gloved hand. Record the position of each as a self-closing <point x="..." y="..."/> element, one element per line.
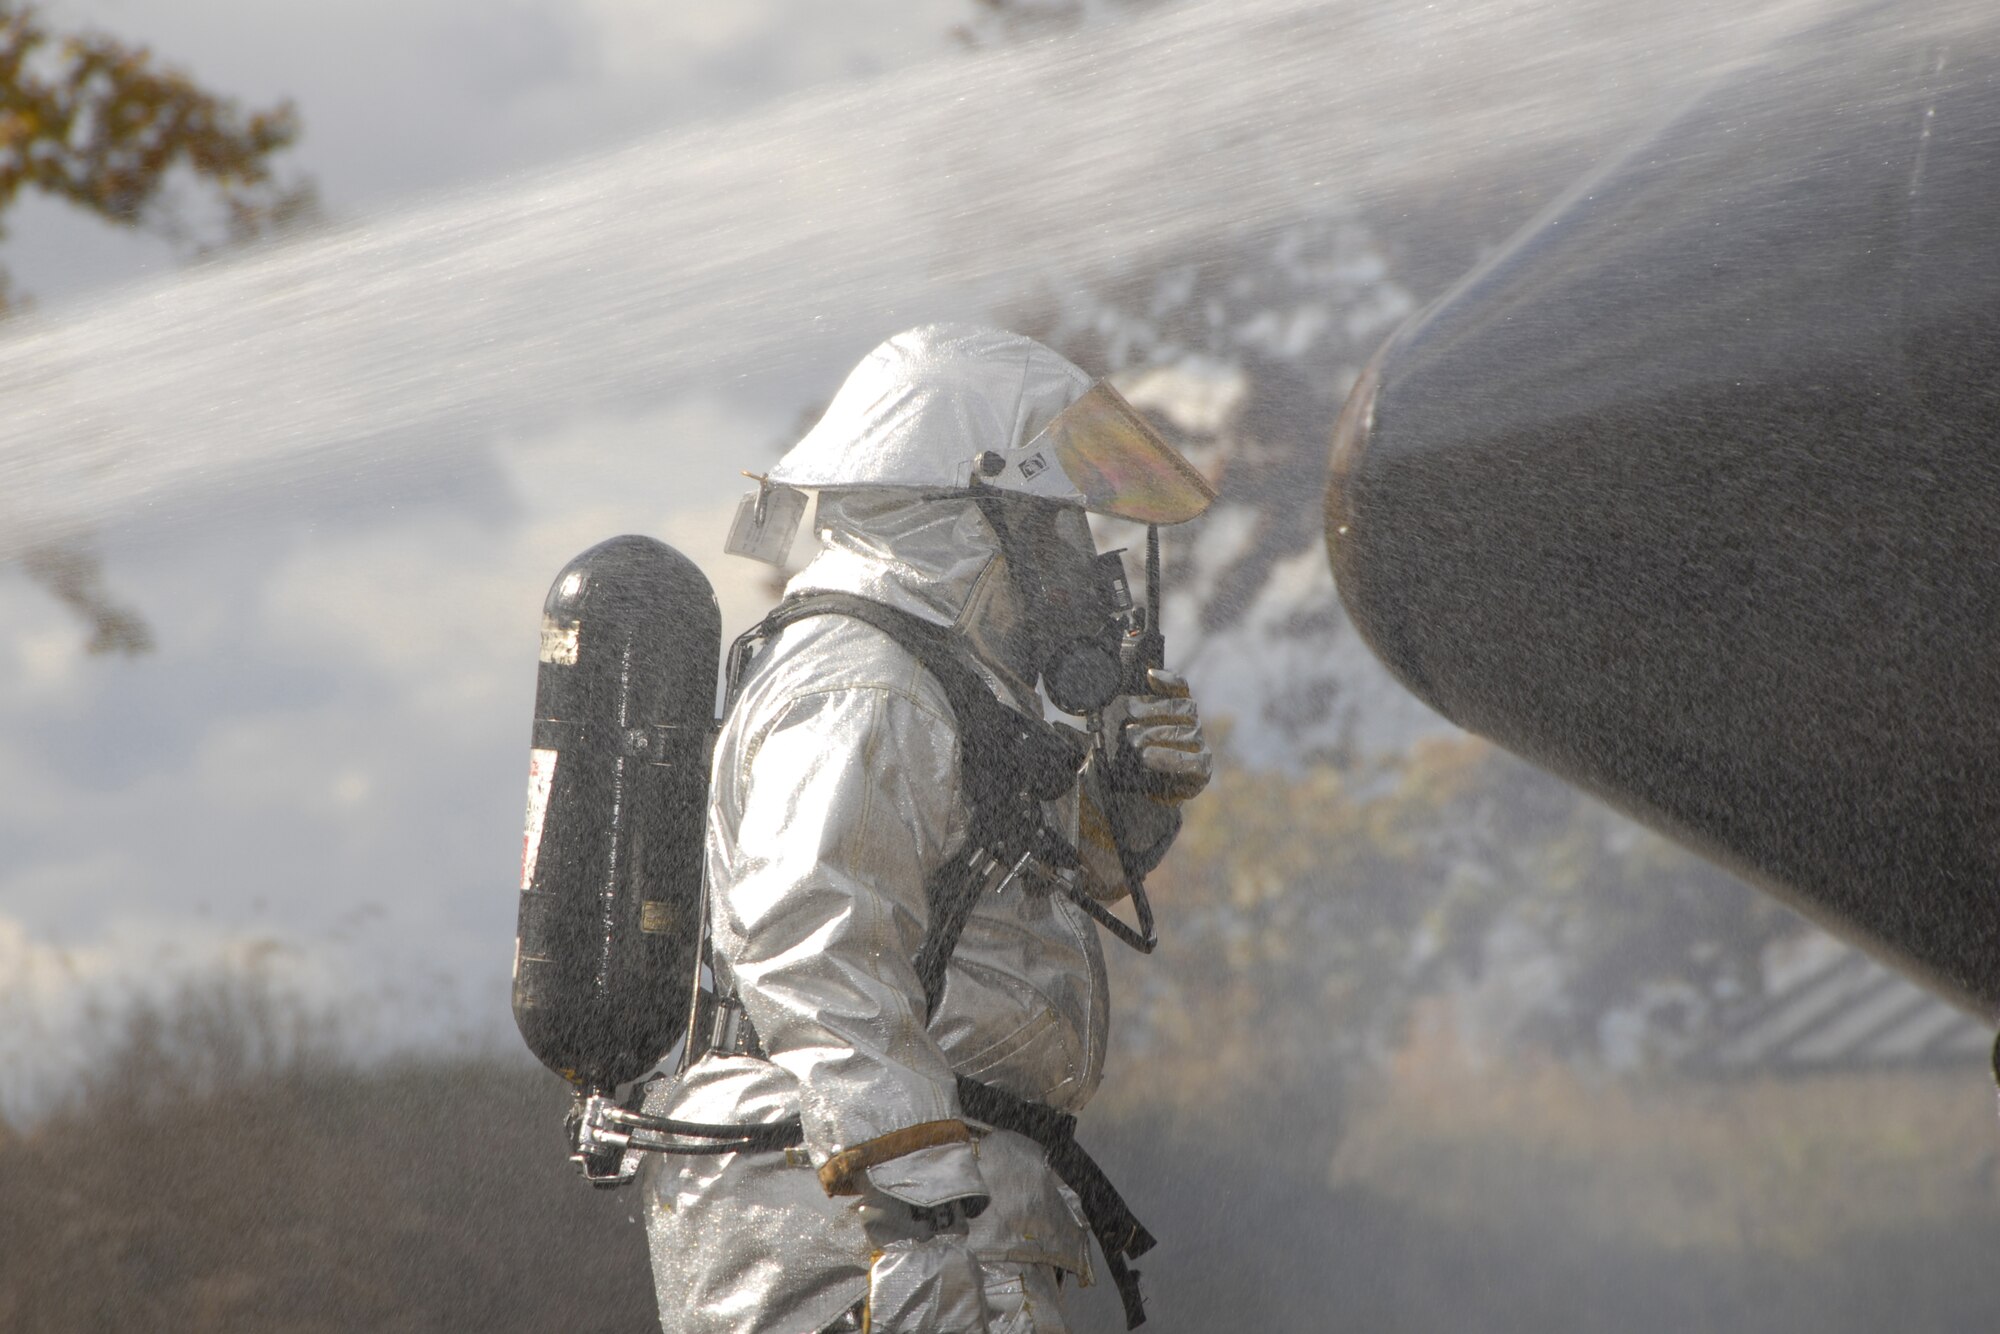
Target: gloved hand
<point x="927" y="1287"/>
<point x="937" y="1188"/>
<point x="1158" y="742"/>
<point x="1129" y="809"/>
<point x="885" y="1215"/>
<point x="925" y="1278"/>
<point x="930" y="1193"/>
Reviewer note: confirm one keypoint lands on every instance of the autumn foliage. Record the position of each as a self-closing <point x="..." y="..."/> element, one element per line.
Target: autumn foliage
<point x="98" y="123"/>
<point x="102" y="125"/>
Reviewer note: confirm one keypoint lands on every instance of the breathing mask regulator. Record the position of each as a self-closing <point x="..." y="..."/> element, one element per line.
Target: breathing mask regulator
<point x="1076" y="604"/>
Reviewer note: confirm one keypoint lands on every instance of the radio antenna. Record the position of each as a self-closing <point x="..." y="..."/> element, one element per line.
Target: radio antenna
<point x="1153" y="577"/>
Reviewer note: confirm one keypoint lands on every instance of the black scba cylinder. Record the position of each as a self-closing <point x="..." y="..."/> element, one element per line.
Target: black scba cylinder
<point x="611" y="857"/>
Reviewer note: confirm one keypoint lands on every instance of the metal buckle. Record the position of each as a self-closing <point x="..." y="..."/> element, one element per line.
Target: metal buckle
<point x="732" y="1033"/>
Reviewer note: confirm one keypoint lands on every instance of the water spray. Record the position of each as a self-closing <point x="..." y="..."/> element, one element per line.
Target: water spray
<point x="771" y="251"/>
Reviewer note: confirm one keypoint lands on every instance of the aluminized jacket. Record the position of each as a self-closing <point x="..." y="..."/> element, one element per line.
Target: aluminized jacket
<point x="835" y="796"/>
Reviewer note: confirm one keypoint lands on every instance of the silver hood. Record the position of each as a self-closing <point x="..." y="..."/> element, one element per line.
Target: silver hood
<point x="921" y="407"/>
<point x="945" y="407"/>
<point x="935" y="558"/>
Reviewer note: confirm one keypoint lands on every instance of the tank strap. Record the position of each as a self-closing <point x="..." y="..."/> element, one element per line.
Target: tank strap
<point x="1009" y="763"/>
<point x="1120" y="1235"/>
<point x="1004" y="752"/>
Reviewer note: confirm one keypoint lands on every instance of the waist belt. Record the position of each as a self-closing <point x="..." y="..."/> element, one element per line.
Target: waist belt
<point x="1119" y="1234"/>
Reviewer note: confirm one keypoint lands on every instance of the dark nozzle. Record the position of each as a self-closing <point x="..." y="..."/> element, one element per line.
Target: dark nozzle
<point x="1688" y="495"/>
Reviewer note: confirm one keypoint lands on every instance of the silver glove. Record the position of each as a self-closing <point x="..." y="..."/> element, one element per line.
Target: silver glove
<point x="1159" y="737"/>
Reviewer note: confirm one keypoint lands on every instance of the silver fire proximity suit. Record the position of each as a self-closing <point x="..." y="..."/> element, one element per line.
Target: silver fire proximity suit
<point x="836" y="795"/>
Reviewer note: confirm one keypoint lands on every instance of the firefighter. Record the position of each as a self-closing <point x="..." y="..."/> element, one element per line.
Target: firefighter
<point x="904" y="861"/>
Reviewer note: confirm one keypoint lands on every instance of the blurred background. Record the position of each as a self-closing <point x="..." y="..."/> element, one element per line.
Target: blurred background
<point x="332" y="331"/>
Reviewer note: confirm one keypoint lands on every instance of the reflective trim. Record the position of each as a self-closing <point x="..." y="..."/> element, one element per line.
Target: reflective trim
<point x="838" y="1176"/>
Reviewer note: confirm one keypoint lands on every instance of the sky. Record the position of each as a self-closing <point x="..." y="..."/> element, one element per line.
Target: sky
<point x="320" y="769"/>
<point x="402" y="99"/>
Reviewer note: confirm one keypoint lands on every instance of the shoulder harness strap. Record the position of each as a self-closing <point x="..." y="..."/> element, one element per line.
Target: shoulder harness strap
<point x="1009" y="762"/>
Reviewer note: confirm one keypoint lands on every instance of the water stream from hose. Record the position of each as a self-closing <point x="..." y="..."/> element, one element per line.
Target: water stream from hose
<point x="742" y="257"/>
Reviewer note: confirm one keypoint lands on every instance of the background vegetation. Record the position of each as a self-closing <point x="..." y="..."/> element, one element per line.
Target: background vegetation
<point x="1295" y="1105"/>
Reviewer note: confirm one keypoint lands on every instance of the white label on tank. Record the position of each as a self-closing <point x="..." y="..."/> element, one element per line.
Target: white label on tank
<point x="541" y="773"/>
<point x="559" y="642"/>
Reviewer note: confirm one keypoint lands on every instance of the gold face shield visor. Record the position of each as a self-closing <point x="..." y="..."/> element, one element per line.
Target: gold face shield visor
<point x="1109" y="455"/>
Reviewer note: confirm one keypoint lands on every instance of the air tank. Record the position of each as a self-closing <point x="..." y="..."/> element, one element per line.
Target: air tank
<point x="1692" y="494"/>
<point x="611" y="859"/>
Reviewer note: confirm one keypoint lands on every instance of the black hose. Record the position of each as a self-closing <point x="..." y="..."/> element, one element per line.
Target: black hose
<point x="777" y="1135"/>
